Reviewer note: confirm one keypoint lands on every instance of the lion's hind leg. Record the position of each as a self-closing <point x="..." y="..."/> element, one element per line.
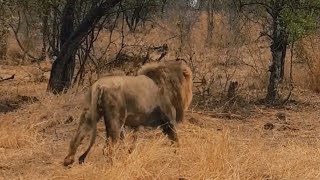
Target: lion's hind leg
<point x="114" y="118"/>
<point x="92" y="140"/>
<point x="114" y="129"/>
<point x="114" y="124"/>
<point x="85" y="126"/>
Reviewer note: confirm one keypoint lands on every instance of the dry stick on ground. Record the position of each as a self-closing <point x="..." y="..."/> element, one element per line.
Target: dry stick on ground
<point x="213" y="114"/>
<point x="12" y="77"/>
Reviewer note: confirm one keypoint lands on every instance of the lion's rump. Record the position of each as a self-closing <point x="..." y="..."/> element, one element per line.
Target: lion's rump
<point x="138" y="95"/>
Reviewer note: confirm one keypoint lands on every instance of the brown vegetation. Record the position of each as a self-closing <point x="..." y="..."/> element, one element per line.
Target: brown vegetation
<point x="225" y="135"/>
<point x="33" y="146"/>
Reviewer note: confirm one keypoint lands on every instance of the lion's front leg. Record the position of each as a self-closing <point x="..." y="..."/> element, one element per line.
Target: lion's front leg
<point x="170" y="130"/>
<point x="168" y="118"/>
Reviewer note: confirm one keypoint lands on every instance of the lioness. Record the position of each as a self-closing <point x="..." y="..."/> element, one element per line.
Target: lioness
<point x="157" y="96"/>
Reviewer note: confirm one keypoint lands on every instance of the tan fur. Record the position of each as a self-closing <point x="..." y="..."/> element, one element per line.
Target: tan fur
<point x="176" y="78"/>
<point x="157" y="96"/>
<point x="113" y="73"/>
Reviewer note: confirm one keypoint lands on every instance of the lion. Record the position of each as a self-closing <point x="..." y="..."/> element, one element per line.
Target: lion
<point x="157" y="96"/>
<point x="113" y="73"/>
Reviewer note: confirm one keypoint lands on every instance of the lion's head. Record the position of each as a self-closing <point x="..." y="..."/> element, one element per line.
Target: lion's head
<point x="175" y="77"/>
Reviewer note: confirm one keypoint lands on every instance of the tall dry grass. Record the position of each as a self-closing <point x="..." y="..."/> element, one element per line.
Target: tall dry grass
<point x="34" y="141"/>
<point x="34" y="138"/>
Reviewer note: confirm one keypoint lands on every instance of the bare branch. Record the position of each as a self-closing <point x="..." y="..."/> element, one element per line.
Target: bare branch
<point x="12" y="77"/>
<point x="15" y="32"/>
<point x="264" y="5"/>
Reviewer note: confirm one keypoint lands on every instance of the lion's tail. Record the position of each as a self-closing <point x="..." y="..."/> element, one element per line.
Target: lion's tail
<point x="96" y="96"/>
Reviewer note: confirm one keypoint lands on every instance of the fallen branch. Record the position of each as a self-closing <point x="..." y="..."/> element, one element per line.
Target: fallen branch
<point x="219" y="115"/>
<point x="12" y="77"/>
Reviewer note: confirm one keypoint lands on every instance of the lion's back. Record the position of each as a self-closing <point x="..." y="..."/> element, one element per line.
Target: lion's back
<point x="140" y="93"/>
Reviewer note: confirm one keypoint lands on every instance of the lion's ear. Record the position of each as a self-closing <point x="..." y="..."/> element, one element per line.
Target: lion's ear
<point x="186" y="73"/>
<point x="161" y="90"/>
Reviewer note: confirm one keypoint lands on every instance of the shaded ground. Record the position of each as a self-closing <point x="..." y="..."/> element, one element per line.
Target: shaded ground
<point x="8" y="105"/>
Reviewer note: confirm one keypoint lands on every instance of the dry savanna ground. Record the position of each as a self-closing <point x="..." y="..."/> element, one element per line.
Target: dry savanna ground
<point x="36" y="127"/>
<point x="267" y="143"/>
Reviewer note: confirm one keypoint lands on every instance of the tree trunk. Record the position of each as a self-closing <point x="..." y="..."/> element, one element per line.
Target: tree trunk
<point x="4" y="32"/>
<point x="67" y="27"/>
<point x="54" y="34"/>
<point x="278" y="50"/>
<point x="63" y="67"/>
<point x="210" y="22"/>
<point x="67" y="21"/>
<point x="283" y="45"/>
<point x="45" y="30"/>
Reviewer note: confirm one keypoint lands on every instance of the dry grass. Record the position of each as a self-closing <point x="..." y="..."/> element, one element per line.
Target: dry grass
<point x="34" y="140"/>
<point x="309" y="53"/>
<point x="34" y="137"/>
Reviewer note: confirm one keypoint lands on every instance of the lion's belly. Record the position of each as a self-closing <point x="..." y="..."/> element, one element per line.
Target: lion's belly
<point x="135" y="120"/>
<point x="152" y="119"/>
<point x="139" y="97"/>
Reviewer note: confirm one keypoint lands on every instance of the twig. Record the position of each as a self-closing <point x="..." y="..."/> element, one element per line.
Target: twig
<point x="15" y="32"/>
<point x="218" y="115"/>
<point x="12" y="77"/>
<point x="291" y="79"/>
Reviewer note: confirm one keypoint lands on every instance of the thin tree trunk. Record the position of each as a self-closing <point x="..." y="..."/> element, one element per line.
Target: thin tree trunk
<point x="284" y="45"/>
<point x="278" y="50"/>
<point x="4" y="32"/>
<point x="45" y="30"/>
<point x="55" y="33"/>
<point x="58" y="75"/>
<point x="210" y="22"/>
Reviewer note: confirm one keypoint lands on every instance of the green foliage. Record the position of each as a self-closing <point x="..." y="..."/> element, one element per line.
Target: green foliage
<point x="300" y="17"/>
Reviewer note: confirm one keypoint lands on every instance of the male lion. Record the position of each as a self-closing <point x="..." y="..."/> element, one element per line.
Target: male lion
<point x="113" y="73"/>
<point x="157" y="96"/>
